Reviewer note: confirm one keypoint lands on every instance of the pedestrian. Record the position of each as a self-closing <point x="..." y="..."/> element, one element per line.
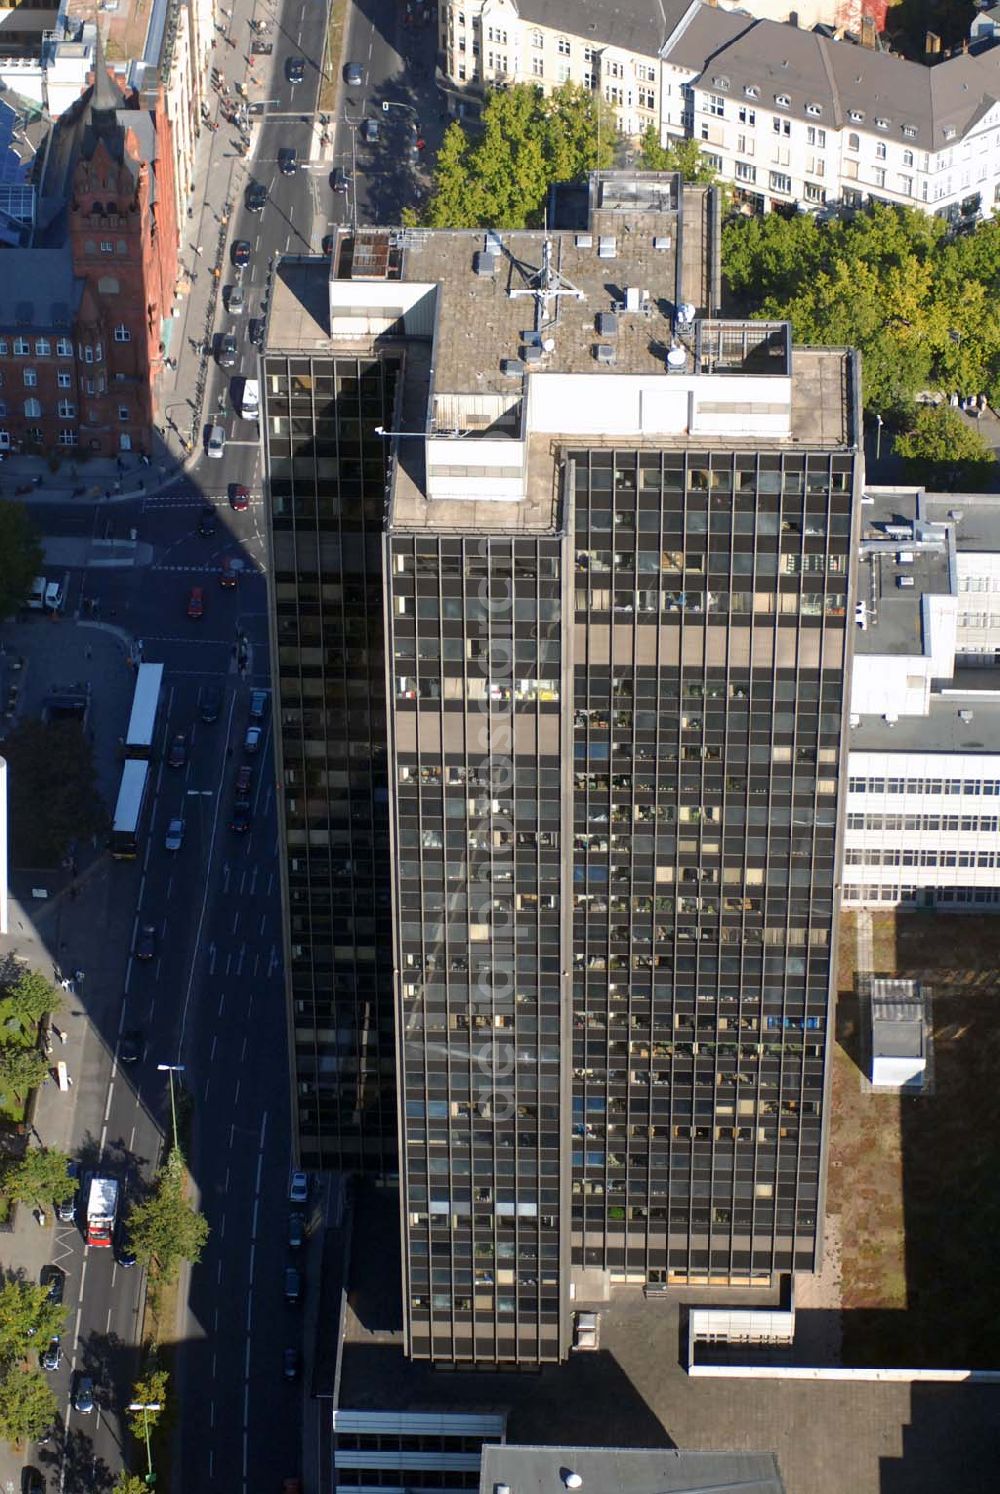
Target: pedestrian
<point x="69" y="1081"/>
<point x="78" y="975"/>
<point x="58" y="1032"/>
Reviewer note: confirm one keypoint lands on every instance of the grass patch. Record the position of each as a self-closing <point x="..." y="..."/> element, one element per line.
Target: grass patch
<point x="913" y="1178"/>
<point x="334" y="56"/>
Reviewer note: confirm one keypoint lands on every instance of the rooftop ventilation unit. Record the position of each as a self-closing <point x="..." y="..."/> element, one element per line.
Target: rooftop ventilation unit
<point x="494" y="243"/>
<point x="511" y="368"/>
<point x="661" y="241"/>
<point x="531" y="339"/>
<point x="604" y="352"/>
<point x="965" y="717"/>
<point x="606" y="323"/>
<point x="633" y="298"/>
<point x="676" y="360"/>
<point x="855" y="720"/>
<point x="484" y="264"/>
<point x="532" y="355"/>
<point x="607" y="247"/>
<point x="686" y="314"/>
<point x="584" y="241"/>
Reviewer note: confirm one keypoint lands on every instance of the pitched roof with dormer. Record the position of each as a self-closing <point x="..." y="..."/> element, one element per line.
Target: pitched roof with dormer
<point x="640" y="26"/>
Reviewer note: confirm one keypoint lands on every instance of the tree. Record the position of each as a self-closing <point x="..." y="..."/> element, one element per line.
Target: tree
<point x="20" y="556"/>
<point x="130" y="1483"/>
<point x="21" y="1069"/>
<point x="499" y="174"/>
<point x="27" y="1404"/>
<point x="166" y="1230"/>
<point x="28" y="1000"/>
<point x="53" y="790"/>
<point x="27" y="1319"/>
<point x="685" y="156"/>
<point x="38" y="1178"/>
<point x="151" y="1390"/>
<point x="943" y="451"/>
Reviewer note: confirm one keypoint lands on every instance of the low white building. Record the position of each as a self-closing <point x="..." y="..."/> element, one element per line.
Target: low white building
<point x="923" y="800"/>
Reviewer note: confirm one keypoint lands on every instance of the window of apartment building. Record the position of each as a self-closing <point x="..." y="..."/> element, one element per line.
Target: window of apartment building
<point x="814" y="109"/>
<point x="613" y="94"/>
<point x="538" y="67"/>
<point x="855" y="115"/>
<point x="782" y="101"/>
<point x="461" y="18"/>
<point x="647" y="98"/>
<point x="781" y="126"/>
<point x="107" y="246"/>
<point x="907" y="158"/>
<point x="880" y="176"/>
<point x="563" y="71"/>
<point x="67" y="409"/>
<point x="814" y="192"/>
<point x="816" y="136"/>
<point x="881" y="124"/>
<point x="496" y="34"/>
<point x="643" y="72"/>
<point x="563" y="47"/>
<point x="747" y="116"/>
<point x="43" y="348"/>
<point x="780" y="182"/>
<point x="4" y="347"/>
<point x="122" y="333"/>
<point x="815" y="165"/>
<point x="745" y="172"/>
<point x="461" y="43"/>
<point x="64" y="379"/>
<point x="64" y="347"/>
<point x="3" y="409"/>
<point x="589" y="80"/>
<point x="615" y="70"/>
<point x="744" y="145"/>
<point x="90" y="386"/>
<point x="752" y="91"/>
<point x="32" y="408"/>
<point x="714" y="161"/>
<point x="33" y="434"/>
<point x="21" y="347"/>
<point x="716" y="105"/>
<point x="880" y="150"/>
<point x="906" y="185"/>
<point x="498" y="62"/>
<point x="67" y="437"/>
<point x="31" y="378"/>
<point x="910" y="131"/>
<point x="853" y="141"/>
<point x="123" y="412"/>
<point x="537" y="39"/>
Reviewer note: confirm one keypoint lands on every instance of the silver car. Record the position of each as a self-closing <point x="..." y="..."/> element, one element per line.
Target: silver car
<point x="174" y="838"/>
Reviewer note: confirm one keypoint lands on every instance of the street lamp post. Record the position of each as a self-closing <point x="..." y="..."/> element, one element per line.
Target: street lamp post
<point x="878" y="437"/>
<point x="145" y="1407"/>
<point x="171" y="1069"/>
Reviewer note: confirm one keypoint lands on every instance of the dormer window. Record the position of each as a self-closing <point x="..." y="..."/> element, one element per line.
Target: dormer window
<point x="814" y="109"/>
<point x="782" y="101"/>
<point x="881" y="124"/>
<point x="910" y="131"/>
<point x="720" y="82"/>
<point x="950" y="133"/>
<point x="855" y="115"/>
<point x="752" y="91"/>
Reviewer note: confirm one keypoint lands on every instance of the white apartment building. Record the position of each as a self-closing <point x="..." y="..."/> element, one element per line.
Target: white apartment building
<point x="788" y="116"/>
<point x="922" y="822"/>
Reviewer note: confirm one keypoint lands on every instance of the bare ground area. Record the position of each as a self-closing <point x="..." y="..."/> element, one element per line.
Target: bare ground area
<point x="914" y="1181"/>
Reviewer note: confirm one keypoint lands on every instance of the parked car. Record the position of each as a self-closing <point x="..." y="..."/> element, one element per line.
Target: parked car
<point x="66" y="1210"/>
<point x="240" y="253"/>
<point x="295" y="69"/>
<point x="239" y="497"/>
<point x="32" y="1481"/>
<point x="132" y="1045"/>
<point x="296" y="1229"/>
<point x="196" y="602"/>
<point x="124" y="1254"/>
<point x="83" y="1395"/>
<point x="208" y="522"/>
<point x="236" y="300"/>
<point x="255" y="331"/>
<point x="258" y="705"/>
<point x="244" y="781"/>
<point x="369" y="131"/>
<point x="215" y="441"/>
<point x="174" y="838"/>
<point x="225" y="350"/>
<point x="251" y="741"/>
<point x="145" y="943"/>
<point x="211" y="703"/>
<point x="177" y="756"/>
<point x="55" y="1279"/>
<point x="291" y="1364"/>
<point x="287" y="160"/>
<point x="293" y="1286"/>
<point x="52" y="1354"/>
<point x="298" y="1188"/>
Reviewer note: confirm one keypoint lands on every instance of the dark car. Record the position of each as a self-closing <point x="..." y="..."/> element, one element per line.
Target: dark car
<point x="293" y="1285"/>
<point x="225" y="350"/>
<point x="83" y="1395"/>
<point x="255" y="331"/>
<point x="229" y="576"/>
<point x="124" y="1254"/>
<point x="208" y="522"/>
<point x="196" y="602"/>
<point x="244" y="781"/>
<point x="240" y="253"/>
<point x="211" y="702"/>
<point x="242" y="817"/>
<point x="145" y="943"/>
<point x="177" y="756"/>
<point x="354" y="74"/>
<point x="55" y="1279"/>
<point x="291" y="1364"/>
<point x="132" y="1046"/>
<point x="295" y="69"/>
<point x="296" y="1229"/>
<point x="32" y="1481"/>
<point x="369" y="131"/>
<point x="239" y="497"/>
<point x="287" y="161"/>
<point x="256" y="197"/>
<point x="66" y="1210"/>
<point x="340" y="179"/>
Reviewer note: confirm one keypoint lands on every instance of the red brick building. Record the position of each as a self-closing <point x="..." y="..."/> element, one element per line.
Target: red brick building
<point x="81" y="321"/>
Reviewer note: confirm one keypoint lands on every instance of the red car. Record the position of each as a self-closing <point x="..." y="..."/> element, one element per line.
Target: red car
<point x="239" y="497"/>
<point x="229" y="575"/>
<point x="196" y="602"/>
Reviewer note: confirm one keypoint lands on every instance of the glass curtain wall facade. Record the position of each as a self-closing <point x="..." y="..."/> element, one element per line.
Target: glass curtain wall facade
<point x="326" y="475"/>
<point x="477" y="707"/>
<point x="708" y="699"/>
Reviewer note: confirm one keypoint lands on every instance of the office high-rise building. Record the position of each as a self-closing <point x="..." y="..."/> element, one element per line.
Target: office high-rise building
<point x="616" y="590"/>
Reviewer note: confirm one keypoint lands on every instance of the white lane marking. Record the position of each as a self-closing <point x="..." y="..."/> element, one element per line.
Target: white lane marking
<point x="253" y="1227"/>
<point x="236" y="1097"/>
<point x="107" y="1107"/>
<point x="211" y="1056"/>
<point x="243" y="1051"/>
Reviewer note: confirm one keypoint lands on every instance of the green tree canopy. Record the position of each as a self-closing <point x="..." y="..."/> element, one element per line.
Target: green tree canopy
<point x="21" y="1069"/>
<point x="497" y="173"/>
<point x="39" y="1178"/>
<point x="27" y="1403"/>
<point x="151" y="1390"/>
<point x="27" y="1320"/>
<point x="685" y="156"/>
<point x="130" y="1483"/>
<point x="166" y="1230"/>
<point x="30" y="998"/>
<point x="53" y="790"/>
<point x="20" y="556"/>
<point x="943" y="451"/>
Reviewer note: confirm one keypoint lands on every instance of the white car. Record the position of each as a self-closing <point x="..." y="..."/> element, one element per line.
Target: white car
<point x="215" y="441"/>
<point x="298" y="1188"/>
<point x="174" y="838"/>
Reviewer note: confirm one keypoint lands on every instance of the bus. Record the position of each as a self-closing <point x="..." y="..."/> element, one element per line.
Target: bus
<point x="129" y="809"/>
<point x="144" y="719"/>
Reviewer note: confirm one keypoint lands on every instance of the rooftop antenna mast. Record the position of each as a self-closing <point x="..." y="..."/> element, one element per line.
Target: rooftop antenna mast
<point x="546" y="285"/>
